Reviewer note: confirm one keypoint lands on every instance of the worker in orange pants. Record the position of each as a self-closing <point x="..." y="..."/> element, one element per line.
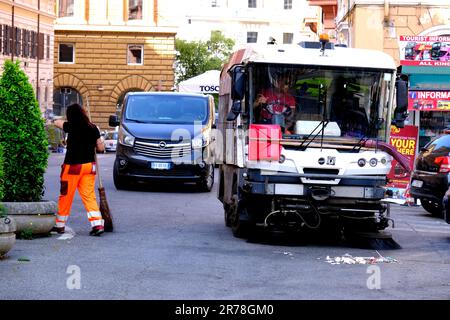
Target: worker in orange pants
<point x="78" y="170"/>
<point x="81" y="177"/>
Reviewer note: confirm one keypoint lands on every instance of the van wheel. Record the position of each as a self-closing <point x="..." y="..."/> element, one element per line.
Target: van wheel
<point x="207" y="182"/>
<point x="119" y="182"/>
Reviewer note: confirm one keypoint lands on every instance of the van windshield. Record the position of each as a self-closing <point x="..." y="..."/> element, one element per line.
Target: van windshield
<point x="173" y="109"/>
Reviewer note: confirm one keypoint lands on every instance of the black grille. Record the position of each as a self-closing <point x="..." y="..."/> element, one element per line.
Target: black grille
<point x="162" y="149"/>
<point x="320" y="171"/>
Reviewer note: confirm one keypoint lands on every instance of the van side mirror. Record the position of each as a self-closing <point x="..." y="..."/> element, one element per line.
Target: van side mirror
<point x="401" y="110"/>
<point x="113" y="120"/>
<point x="238" y="81"/>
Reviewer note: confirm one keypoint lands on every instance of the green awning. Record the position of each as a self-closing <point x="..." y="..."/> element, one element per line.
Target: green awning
<point x="427" y="78"/>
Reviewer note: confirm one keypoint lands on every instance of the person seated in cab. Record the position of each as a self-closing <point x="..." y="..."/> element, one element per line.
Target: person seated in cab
<point x="276" y="105"/>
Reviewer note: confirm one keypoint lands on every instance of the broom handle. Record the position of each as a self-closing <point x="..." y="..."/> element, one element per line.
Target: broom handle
<point x="100" y="183"/>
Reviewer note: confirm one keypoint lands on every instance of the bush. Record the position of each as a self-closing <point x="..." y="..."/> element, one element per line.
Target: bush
<point x="1" y="175"/>
<point x="23" y="136"/>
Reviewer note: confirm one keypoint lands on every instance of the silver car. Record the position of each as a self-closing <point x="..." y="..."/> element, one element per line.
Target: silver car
<point x="111" y="140"/>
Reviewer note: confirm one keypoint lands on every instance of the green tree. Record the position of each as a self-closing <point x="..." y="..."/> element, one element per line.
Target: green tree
<point x="22" y="135"/>
<point x="196" y="57"/>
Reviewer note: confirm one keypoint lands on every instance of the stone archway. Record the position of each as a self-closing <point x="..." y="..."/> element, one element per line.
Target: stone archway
<point x="131" y="82"/>
<point x="69" y="80"/>
<point x="441" y="30"/>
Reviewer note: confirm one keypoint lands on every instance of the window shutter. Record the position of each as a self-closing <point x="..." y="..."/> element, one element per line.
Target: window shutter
<point x="33" y="45"/>
<point x="8" y="40"/>
<point x="18" y="43"/>
<point x="40" y="45"/>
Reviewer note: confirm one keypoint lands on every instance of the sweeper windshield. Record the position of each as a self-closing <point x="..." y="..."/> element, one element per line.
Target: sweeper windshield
<point x="353" y="102"/>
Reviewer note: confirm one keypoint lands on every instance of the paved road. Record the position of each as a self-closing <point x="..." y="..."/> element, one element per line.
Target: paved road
<point x="171" y="243"/>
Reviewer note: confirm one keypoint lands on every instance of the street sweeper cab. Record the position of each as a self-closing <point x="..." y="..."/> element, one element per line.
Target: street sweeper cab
<point x="303" y="137"/>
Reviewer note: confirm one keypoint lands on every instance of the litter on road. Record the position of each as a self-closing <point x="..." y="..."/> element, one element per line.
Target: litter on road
<point x="349" y="259"/>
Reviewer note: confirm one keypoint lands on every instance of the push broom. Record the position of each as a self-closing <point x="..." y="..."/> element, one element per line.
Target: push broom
<point x="104" y="207"/>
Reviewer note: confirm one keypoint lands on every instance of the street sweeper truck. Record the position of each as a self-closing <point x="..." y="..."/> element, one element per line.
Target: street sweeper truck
<point x="302" y="141"/>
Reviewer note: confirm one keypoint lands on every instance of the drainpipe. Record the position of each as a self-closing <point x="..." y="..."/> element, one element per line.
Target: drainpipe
<point x="155" y="12"/>
<point x="37" y="53"/>
<point x="386" y="10"/>
<point x="13" y="33"/>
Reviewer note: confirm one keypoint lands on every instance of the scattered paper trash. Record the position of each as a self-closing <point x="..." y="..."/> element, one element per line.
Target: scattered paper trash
<point x="23" y="259"/>
<point x="67" y="235"/>
<point x="349" y="259"/>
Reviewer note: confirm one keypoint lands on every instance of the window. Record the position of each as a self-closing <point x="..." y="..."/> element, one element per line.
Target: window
<point x="63" y="98"/>
<point x="134" y="9"/>
<point x="252" y="3"/>
<point x="252" y="37"/>
<point x="287" y="4"/>
<point x="287" y="38"/>
<point x="65" y="8"/>
<point x="135" y="54"/>
<point x="66" y="53"/>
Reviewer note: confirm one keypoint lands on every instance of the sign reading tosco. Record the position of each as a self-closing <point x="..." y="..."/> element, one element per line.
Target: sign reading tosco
<point x="209" y="88"/>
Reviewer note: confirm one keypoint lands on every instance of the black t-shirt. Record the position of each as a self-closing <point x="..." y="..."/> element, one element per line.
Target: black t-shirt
<point x="81" y="143"/>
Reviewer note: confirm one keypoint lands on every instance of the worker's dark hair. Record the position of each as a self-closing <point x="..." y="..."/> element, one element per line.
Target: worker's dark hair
<point x="77" y="116"/>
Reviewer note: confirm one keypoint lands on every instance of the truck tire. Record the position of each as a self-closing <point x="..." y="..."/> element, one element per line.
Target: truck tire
<point x="207" y="182"/>
<point x="240" y="228"/>
<point x="119" y="182"/>
<point x="432" y="207"/>
<point x="226" y="215"/>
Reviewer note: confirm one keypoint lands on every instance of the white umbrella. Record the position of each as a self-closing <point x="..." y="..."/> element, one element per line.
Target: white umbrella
<point x="207" y="82"/>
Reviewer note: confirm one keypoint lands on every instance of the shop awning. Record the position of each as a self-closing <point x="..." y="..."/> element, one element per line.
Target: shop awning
<point x="207" y="82"/>
<point x="427" y="78"/>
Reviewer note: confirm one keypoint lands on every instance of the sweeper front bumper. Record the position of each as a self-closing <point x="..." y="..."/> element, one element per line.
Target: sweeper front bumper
<point x="353" y="200"/>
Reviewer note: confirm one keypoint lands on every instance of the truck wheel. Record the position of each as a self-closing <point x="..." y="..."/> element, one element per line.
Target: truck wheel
<point x="432" y="207"/>
<point x="226" y="215"/>
<point x="207" y="182"/>
<point x="240" y="228"/>
<point x="119" y="182"/>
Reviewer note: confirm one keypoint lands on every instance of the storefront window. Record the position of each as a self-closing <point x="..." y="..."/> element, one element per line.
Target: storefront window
<point x="433" y="124"/>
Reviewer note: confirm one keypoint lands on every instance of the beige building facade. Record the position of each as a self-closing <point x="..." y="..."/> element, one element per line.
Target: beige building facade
<point x="26" y="35"/>
<point x="106" y="48"/>
<point x="380" y="25"/>
<point x="377" y="24"/>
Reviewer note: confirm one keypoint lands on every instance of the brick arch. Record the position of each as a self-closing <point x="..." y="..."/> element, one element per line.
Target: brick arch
<point x="69" y="80"/>
<point x="129" y="83"/>
<point x="437" y="30"/>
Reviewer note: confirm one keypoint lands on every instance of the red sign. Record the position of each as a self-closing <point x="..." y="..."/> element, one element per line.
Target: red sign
<point x="429" y="100"/>
<point x="405" y="141"/>
<point x="425" y="51"/>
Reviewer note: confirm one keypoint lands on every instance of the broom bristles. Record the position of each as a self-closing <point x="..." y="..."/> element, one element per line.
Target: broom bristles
<point x="104" y="210"/>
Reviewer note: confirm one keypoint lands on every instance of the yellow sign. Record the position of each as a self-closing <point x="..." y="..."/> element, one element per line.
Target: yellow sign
<point x="443" y="105"/>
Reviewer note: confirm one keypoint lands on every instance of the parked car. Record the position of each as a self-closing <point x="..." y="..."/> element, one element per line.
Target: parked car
<point x="430" y="179"/>
<point x="164" y="136"/>
<point x="111" y="140"/>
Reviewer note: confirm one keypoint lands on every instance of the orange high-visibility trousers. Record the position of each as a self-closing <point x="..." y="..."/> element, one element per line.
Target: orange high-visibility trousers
<point x="81" y="177"/>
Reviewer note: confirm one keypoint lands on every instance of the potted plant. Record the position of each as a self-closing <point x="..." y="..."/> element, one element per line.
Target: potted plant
<point x="25" y="153"/>
<point x="7" y="225"/>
